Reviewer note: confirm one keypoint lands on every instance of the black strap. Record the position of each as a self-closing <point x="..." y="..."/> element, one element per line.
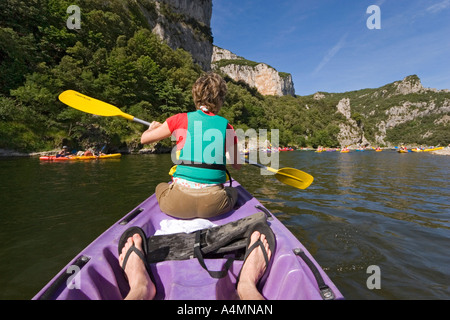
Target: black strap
<point x="214" y="166"/>
<point x="135" y="250"/>
<point x="253" y="247"/>
<point x="209" y="166"/>
<point x="198" y="254"/>
<point x="325" y="291"/>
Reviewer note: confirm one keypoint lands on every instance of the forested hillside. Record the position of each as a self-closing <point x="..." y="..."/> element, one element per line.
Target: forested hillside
<point x="114" y="57"/>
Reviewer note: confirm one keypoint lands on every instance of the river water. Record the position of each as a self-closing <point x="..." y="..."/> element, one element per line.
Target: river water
<point x="364" y="209"/>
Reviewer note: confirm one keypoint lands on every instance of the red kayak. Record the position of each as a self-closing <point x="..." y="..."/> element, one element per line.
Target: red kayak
<point x="72" y="158"/>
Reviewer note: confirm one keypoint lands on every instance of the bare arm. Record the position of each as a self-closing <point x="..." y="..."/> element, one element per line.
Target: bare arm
<point x="236" y="164"/>
<point x="155" y="133"/>
<point x="233" y="151"/>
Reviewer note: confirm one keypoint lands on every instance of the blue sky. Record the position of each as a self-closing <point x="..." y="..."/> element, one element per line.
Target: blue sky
<point x="327" y="46"/>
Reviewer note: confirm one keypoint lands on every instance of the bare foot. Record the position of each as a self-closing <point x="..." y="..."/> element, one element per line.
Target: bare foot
<point x="253" y="269"/>
<point x="141" y="286"/>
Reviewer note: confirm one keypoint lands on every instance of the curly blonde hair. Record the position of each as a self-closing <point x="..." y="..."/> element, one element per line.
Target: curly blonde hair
<point x="209" y="91"/>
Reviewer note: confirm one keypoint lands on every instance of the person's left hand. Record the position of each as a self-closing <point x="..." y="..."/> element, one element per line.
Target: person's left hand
<point x="154" y="125"/>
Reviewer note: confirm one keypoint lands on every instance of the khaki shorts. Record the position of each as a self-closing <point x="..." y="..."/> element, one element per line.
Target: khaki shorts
<point x="187" y="203"/>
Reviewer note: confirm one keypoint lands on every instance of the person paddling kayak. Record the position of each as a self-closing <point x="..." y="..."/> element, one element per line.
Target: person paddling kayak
<point x="203" y="141"/>
<point x="64" y="152"/>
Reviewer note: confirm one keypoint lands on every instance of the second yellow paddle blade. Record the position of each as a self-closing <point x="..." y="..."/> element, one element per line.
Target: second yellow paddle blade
<point x="294" y="178"/>
<point x="87" y="104"/>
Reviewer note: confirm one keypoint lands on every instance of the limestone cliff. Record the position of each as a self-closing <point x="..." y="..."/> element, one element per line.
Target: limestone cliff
<point x="182" y="24"/>
<point x="395" y="113"/>
<point x="350" y="133"/>
<point x="261" y="76"/>
<point x="186" y="24"/>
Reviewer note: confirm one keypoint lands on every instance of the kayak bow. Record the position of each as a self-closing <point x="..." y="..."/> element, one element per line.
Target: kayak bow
<point x="292" y="274"/>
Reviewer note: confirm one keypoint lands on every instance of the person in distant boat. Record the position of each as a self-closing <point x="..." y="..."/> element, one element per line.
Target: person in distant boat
<point x="88" y="153"/>
<point x="64" y="152"/>
<point x="204" y="142"/>
<point x="132" y="260"/>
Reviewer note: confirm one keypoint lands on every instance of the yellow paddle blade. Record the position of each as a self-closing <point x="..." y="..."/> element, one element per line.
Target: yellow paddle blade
<point x="294" y="177"/>
<point x="87" y="104"/>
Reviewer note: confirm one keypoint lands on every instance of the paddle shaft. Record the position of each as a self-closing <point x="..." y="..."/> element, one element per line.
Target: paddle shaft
<point x="293" y="177"/>
<point x="275" y="171"/>
<point x="261" y="166"/>
<point x="141" y="121"/>
<point x="128" y="117"/>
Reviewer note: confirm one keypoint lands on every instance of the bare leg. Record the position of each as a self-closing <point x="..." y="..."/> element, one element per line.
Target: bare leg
<point x="253" y="269"/>
<point x="141" y="286"/>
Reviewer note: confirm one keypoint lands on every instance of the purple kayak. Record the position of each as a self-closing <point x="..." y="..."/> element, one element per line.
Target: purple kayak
<point x="95" y="274"/>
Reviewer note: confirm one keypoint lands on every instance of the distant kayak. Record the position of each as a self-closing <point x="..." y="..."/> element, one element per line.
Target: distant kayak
<point x="426" y="150"/>
<point x="72" y="158"/>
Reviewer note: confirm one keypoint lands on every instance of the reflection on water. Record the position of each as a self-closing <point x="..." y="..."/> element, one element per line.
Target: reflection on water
<point x="364" y="208"/>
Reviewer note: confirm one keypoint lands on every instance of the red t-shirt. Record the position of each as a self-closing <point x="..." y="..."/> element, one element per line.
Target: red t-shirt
<point x="180" y="121"/>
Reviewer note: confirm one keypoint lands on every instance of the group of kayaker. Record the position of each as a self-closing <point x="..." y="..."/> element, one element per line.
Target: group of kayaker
<point x="88" y="153"/>
<point x="197" y="189"/>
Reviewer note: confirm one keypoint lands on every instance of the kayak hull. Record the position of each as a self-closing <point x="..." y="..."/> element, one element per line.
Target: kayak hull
<point x="73" y="158"/>
<point x="427" y="150"/>
<point x="101" y="278"/>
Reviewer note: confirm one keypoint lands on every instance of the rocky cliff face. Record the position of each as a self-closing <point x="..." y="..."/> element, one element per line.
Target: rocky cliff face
<point x="398" y="104"/>
<point x="186" y="24"/>
<point x="223" y="54"/>
<point x="182" y="24"/>
<point x="350" y="133"/>
<point x="261" y="76"/>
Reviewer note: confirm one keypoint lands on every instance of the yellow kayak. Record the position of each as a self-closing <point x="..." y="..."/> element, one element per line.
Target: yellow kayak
<point x="105" y="156"/>
<point x="427" y="150"/>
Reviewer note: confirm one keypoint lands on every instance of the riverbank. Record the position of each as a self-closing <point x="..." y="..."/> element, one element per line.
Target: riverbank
<point x="12" y="153"/>
<point x="5" y="153"/>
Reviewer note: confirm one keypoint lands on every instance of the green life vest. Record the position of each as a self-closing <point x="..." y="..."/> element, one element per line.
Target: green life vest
<point x="203" y="155"/>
